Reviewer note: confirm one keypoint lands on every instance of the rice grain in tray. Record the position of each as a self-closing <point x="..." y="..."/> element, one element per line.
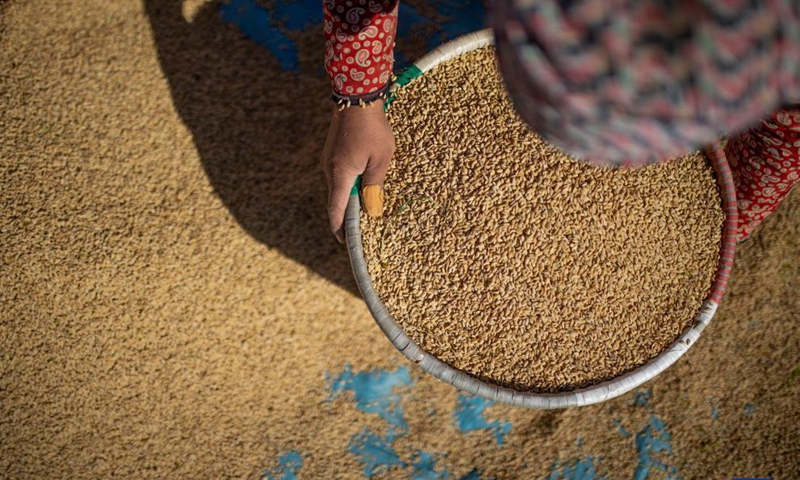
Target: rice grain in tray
<point x="516" y="264"/>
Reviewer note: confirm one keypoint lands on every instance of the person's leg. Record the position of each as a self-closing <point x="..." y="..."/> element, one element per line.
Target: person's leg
<point x="765" y="162"/>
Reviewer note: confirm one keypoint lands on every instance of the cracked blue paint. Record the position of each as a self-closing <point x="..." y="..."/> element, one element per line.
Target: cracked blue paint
<point x="749" y="408"/>
<point x="424" y="465"/>
<point x="469" y="416"/>
<point x="424" y="468"/>
<point x="288" y="466"/>
<point x="298" y="15"/>
<point x="456" y="18"/>
<point x="651" y="440"/>
<point x="378" y="392"/>
<point x="642" y="398"/>
<point x="622" y="430"/>
<point x="714" y="412"/>
<point x="258" y="24"/>
<point x="374" y="392"/>
<point x="577" y="469"/>
<point x="407" y="19"/>
<point x="460" y="17"/>
<point x="269" y="27"/>
<point x="376" y="453"/>
<point x="473" y="474"/>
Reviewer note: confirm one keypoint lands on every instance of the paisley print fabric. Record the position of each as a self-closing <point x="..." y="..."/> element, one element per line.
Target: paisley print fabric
<point x="359" y="47"/>
<point x="765" y="162"/>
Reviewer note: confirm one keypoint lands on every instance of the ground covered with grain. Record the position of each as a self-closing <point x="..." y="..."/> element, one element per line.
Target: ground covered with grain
<point x="173" y="306"/>
<point x="514" y="263"/>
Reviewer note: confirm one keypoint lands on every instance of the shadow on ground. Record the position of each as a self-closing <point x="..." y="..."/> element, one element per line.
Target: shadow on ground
<point x="258" y="130"/>
<point x="258" y="110"/>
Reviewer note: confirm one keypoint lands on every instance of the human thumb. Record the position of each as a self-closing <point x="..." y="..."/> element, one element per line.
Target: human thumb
<point x="372" y="195"/>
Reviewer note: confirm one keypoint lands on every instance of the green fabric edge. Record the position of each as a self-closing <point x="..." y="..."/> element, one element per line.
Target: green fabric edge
<point x="403" y="78"/>
<point x="356" y="186"/>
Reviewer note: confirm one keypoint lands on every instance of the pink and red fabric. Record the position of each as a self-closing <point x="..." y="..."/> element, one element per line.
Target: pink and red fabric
<point x="765" y="162"/>
<point x="359" y="46"/>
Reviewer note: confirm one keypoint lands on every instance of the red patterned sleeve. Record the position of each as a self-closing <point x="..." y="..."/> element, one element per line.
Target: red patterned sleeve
<point x="359" y="47"/>
<point x="765" y="162"/>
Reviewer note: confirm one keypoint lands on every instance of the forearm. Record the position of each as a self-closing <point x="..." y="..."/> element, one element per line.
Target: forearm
<point x="359" y="47"/>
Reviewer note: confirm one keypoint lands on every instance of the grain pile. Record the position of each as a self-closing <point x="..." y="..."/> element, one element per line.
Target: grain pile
<point x="172" y="302"/>
<point x="512" y="262"/>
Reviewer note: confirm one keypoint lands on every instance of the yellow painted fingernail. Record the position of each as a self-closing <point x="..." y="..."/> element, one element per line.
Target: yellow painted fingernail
<point x="372" y="195"/>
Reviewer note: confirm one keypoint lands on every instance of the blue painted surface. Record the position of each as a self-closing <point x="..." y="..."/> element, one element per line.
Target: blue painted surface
<point x="652" y="440"/>
<point x="288" y="466"/>
<point x="469" y="416"/>
<point x="578" y="469"/>
<point x="408" y="18"/>
<point x="473" y="474"/>
<point x="297" y="15"/>
<point x="749" y="408"/>
<point x="456" y="18"/>
<point x="713" y="411"/>
<point x="379" y="392"/>
<point x="258" y="24"/>
<point x="622" y="430"/>
<point x="424" y="465"/>
<point x="424" y="468"/>
<point x="376" y="453"/>
<point x="374" y="392"/>
<point x="269" y="27"/>
<point x="642" y="398"/>
<point x="460" y="17"/>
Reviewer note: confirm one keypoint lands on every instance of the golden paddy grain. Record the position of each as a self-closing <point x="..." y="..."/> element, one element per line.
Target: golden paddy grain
<point x="521" y="266"/>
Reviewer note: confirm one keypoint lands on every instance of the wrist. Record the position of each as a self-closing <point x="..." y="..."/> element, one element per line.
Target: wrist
<point x="372" y="109"/>
<point x="344" y="101"/>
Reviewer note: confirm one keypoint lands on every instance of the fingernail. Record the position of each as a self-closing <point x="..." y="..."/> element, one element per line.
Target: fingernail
<point x="373" y="200"/>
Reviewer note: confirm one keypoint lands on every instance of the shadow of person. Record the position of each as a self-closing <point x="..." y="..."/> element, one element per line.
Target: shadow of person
<point x="258" y="130"/>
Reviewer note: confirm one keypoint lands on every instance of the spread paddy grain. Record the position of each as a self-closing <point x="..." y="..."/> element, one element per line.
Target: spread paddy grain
<point x="519" y="265"/>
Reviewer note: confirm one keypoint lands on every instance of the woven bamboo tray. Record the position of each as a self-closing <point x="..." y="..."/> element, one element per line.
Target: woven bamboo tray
<point x="579" y="397"/>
